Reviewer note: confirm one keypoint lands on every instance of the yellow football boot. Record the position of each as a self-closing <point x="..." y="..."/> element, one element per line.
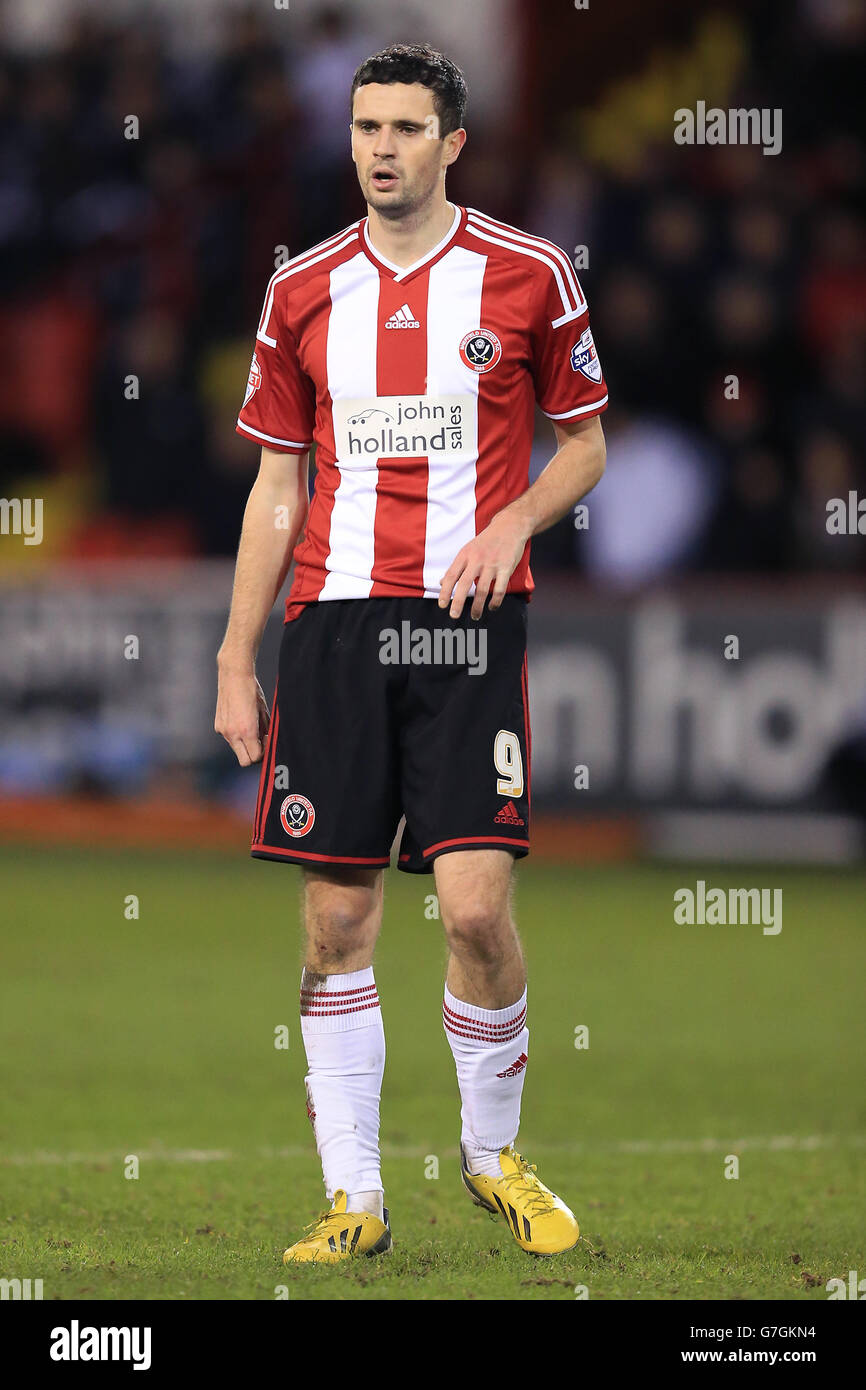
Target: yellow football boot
<point x="540" y="1221"/>
<point x="339" y="1235"/>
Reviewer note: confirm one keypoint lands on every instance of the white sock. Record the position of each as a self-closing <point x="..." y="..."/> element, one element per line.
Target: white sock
<point x="341" y="1024"/>
<point x="490" y="1048"/>
<point x="373" y="1202"/>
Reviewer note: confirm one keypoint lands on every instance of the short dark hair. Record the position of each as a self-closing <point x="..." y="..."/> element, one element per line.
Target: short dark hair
<point x="418" y="62"/>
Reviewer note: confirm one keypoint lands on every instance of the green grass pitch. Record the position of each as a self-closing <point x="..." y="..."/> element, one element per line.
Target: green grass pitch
<point x="155" y="1038"/>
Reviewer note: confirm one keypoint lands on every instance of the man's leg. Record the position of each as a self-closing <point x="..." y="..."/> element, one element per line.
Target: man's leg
<point x="485" y="999"/>
<point x="341" y="1024"/>
<point x="485" y="1024"/>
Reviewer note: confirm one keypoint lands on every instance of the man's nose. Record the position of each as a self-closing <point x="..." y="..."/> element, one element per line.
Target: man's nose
<point x="385" y="142"/>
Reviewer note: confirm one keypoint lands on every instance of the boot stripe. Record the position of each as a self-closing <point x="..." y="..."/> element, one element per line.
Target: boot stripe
<point x="356" y="1237"/>
<point x="343" y="1235"/>
<point x="333" y="1244"/>
<point x="514" y="1220"/>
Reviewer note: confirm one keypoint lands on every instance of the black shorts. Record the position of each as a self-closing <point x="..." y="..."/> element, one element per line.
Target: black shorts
<point x="387" y="707"/>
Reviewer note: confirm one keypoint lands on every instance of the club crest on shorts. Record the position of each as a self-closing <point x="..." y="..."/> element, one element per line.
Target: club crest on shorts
<point x="584" y="357"/>
<point x="254" y="380"/>
<point x="480" y="350"/>
<point x="297" y="815"/>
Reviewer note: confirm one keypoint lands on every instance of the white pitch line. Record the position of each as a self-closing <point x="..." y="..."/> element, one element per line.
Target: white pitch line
<point x="779" y="1143"/>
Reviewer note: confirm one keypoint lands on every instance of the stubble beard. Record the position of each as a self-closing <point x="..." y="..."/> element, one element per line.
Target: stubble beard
<point x="411" y="203"/>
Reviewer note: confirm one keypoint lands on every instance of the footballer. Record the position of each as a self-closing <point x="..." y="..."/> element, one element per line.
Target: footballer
<point x="411" y="349"/>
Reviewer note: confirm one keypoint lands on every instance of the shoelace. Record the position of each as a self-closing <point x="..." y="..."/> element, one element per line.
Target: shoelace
<point x="313" y="1227"/>
<point x="524" y="1181"/>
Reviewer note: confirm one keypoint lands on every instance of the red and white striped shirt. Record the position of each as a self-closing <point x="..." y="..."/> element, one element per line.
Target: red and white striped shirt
<point x="418" y="386"/>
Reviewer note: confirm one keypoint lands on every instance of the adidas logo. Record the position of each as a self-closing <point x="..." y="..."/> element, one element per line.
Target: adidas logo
<point x="516" y="1067"/>
<point x="344" y="1235"/>
<point x="403" y="318"/>
<point x="508" y="815"/>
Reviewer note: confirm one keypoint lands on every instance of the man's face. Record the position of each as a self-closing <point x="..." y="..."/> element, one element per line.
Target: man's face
<point x="397" y="148"/>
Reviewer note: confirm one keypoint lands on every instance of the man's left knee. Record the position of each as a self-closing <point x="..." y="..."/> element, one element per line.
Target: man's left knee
<point x="474" y="928"/>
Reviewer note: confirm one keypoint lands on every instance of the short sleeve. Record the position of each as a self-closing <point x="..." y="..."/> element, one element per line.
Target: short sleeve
<point x="279" y="408"/>
<point x="569" y="382"/>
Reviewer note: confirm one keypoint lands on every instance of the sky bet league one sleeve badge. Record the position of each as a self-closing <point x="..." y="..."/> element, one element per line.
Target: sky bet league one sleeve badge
<point x="254" y="381"/>
<point x="584" y="357"/>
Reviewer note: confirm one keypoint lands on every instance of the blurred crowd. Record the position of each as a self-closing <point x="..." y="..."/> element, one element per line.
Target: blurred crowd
<point x="727" y="290"/>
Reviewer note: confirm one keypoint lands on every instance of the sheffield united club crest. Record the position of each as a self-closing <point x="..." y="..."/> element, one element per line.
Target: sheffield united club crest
<point x="480" y="350"/>
<point x="297" y="815"/>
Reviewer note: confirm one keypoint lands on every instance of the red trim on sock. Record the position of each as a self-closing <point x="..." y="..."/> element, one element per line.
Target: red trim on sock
<point x="331" y="1013"/>
<point x="476" y="1037"/>
<point x="493" y="1028"/>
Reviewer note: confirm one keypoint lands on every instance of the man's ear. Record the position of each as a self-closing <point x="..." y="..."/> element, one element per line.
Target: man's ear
<point x="454" y="144"/>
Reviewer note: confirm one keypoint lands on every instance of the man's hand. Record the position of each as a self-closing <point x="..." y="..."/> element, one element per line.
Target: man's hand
<point x="242" y="714"/>
<point x="490" y="558"/>
<point x="494" y="554"/>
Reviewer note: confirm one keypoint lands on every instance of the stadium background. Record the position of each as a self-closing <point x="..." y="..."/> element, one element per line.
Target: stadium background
<point x="150" y="257"/>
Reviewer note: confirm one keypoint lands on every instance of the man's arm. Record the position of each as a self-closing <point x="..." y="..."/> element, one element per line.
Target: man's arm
<point x="494" y="554"/>
<point x="274" y="517"/>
